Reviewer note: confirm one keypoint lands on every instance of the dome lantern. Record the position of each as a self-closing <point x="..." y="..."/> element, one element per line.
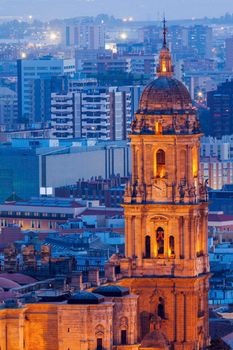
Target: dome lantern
<point x="165" y="68"/>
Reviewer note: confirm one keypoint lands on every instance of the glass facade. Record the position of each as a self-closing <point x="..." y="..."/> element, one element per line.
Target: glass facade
<point x="19" y="173"/>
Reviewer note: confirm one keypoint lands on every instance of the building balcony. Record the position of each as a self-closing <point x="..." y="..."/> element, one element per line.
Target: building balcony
<point x="67" y="122"/>
<point x="162" y="266"/>
<point x="62" y="110"/>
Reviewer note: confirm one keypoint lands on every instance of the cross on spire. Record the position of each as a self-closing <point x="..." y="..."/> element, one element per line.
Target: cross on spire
<point x="164" y="33"/>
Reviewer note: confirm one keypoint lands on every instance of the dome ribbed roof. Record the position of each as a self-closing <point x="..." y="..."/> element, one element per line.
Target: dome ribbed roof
<point x="18" y="278"/>
<point x="112" y="291"/>
<point x="155" y="340"/>
<point x="165" y="93"/>
<point x="85" y="298"/>
<point x="6" y="284"/>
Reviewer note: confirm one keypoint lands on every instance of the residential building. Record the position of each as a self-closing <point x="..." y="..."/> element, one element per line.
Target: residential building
<point x="34" y="85"/>
<point x="150" y="36"/>
<point x="37" y="131"/>
<point x="229" y="53"/>
<point x="143" y="65"/>
<point x="222" y="200"/>
<point x="217" y="161"/>
<point x="41" y="214"/>
<point x="8" y="107"/>
<point x="200" y="39"/>
<point x="83" y="56"/>
<point x="107" y="112"/>
<point x="66" y="115"/>
<point x="78" y="84"/>
<point x="220" y="104"/>
<point x="96" y="113"/>
<point x="85" y="36"/>
<point x="216" y="173"/>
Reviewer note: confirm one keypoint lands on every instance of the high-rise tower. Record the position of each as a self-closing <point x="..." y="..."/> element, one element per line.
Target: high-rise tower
<point x="166" y="256"/>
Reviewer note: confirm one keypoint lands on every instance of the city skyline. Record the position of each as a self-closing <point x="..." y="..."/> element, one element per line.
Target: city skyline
<point x="138" y="9"/>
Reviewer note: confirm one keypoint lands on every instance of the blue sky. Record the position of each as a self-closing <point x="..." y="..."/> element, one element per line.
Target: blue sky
<point x="139" y="9"/>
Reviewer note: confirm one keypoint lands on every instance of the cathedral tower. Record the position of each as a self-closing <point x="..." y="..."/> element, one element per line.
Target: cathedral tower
<point x="166" y="254"/>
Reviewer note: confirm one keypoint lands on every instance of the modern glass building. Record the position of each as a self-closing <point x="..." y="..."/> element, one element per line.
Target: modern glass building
<point x="19" y="172"/>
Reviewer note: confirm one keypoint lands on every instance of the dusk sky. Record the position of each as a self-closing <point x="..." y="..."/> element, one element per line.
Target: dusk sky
<point x="139" y="9"/>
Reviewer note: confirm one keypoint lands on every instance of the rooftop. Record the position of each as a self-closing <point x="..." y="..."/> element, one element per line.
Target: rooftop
<point x="85" y="298"/>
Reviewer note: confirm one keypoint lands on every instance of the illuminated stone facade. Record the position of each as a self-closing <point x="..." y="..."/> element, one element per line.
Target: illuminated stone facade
<point x="157" y="295"/>
<point x="63" y="326"/>
<point x="166" y="256"/>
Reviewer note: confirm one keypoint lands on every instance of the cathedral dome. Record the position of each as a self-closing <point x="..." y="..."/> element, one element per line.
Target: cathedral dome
<point x="85" y="298"/>
<point x="165" y="93"/>
<point x="155" y="340"/>
<point x="112" y="291"/>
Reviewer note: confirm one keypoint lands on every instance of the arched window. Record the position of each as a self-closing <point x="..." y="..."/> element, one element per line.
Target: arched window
<point x="99" y="344"/>
<point x="147" y="246"/>
<point x="99" y="333"/>
<point x="161" y="308"/>
<point x="171" y="246"/>
<point x="160" y="163"/>
<point x="123" y="328"/>
<point x="160" y="241"/>
<point x="123" y="337"/>
<point x="195" y="161"/>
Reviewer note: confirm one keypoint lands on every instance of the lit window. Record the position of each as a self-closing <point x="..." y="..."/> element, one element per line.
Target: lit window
<point x="160" y="241"/>
<point x="160" y="163"/>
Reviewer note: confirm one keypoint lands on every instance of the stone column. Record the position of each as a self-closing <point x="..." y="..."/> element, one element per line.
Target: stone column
<point x="177" y="240"/>
<point x="141" y="163"/>
<point x="189" y="164"/>
<point x="138" y="238"/>
<point x="133" y="164"/>
<point x="190" y="316"/>
<point x="148" y="163"/>
<point x="129" y="235"/>
<point x="181" y="235"/>
<point x="205" y="231"/>
<point x="180" y="319"/>
<point x="126" y="235"/>
<point x="193" y="228"/>
<point x="186" y="238"/>
<point x="166" y="241"/>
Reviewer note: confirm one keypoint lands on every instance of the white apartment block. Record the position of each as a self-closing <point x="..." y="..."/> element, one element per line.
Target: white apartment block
<point x="218" y="173"/>
<point x="85" y="36"/>
<point x="8" y="107"/>
<point x="219" y="148"/>
<point x="217" y="161"/>
<point x="65" y="115"/>
<point x="96" y="113"/>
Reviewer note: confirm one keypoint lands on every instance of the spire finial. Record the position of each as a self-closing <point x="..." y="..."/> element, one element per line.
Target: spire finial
<point x="165" y="62"/>
<point x="164" y="32"/>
